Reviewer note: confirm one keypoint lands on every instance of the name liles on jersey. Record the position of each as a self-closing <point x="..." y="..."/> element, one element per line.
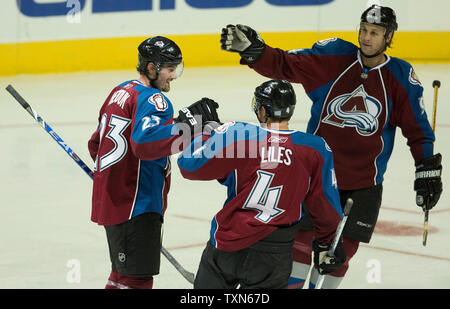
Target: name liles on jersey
<point x="277" y="155"/>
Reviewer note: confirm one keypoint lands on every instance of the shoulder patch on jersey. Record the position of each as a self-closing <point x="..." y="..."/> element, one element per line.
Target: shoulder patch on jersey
<point x="158" y="101"/>
<point x="224" y="128"/>
<point x="326" y="41"/>
<point x="413" y="78"/>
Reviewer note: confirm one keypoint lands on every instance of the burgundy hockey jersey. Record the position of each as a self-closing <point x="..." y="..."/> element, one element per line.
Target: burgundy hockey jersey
<point x="130" y="147"/>
<point x="269" y="175"/>
<point x="355" y="109"/>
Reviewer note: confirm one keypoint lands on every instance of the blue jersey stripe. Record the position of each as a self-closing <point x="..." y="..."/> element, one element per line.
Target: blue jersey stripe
<point x="402" y="72"/>
<point x="320" y="146"/>
<point x="149" y="197"/>
<point x="213" y="231"/>
<point x="318" y="97"/>
<point x="240" y="131"/>
<point x="230" y="183"/>
<point x="388" y="138"/>
<point x="329" y="47"/>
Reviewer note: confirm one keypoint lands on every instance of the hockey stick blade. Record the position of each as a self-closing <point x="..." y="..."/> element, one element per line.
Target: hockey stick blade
<point x="186" y="274"/>
<point x="337" y="237"/>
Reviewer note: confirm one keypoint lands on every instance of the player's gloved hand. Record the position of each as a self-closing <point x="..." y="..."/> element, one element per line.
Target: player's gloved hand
<point x="243" y="40"/>
<point x="206" y="108"/>
<point x="185" y="117"/>
<point x="198" y="114"/>
<point x="428" y="184"/>
<point x="327" y="264"/>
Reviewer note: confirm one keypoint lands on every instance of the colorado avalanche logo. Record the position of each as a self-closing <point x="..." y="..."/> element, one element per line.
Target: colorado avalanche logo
<point x="326" y="41"/>
<point x="413" y="79"/>
<point x="357" y="109"/>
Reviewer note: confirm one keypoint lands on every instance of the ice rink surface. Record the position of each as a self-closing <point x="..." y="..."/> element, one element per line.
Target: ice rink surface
<point x="48" y="241"/>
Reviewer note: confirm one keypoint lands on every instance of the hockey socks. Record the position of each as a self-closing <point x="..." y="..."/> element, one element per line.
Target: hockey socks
<point x="303" y="260"/>
<point x="118" y="281"/>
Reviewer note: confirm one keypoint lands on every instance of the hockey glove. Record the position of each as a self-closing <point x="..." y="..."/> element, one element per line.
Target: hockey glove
<point x="243" y="40"/>
<point x="206" y="108"/>
<point x="428" y="184"/>
<point x="198" y="114"/>
<point x="327" y="264"/>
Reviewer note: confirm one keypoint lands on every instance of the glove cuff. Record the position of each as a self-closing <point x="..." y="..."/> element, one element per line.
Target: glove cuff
<point x="252" y="54"/>
<point x="317" y="246"/>
<point x="429" y="174"/>
<point x="432" y="162"/>
<point x="429" y="168"/>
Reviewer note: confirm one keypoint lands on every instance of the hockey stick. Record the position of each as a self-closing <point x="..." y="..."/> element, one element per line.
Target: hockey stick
<point x="49" y="130"/>
<point x="337" y="236"/>
<point x="436" y="85"/>
<point x="186" y="274"/>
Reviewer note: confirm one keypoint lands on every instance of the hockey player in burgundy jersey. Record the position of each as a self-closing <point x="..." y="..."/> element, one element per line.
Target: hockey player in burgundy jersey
<point x="131" y="145"/>
<point x="360" y="95"/>
<point x="270" y="172"/>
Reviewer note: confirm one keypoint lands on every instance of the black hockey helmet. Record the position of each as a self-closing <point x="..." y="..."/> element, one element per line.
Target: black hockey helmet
<point x="161" y="51"/>
<point x="277" y="97"/>
<point x="381" y="16"/>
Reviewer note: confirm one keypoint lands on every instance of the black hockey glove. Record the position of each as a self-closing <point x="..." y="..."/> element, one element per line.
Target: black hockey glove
<point x="428" y="184"/>
<point x="199" y="114"/>
<point x="206" y="108"/>
<point x="243" y="40"/>
<point x="327" y="264"/>
<point x="187" y="119"/>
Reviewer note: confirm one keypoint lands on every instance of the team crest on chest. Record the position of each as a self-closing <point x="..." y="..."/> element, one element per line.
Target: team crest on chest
<point x="357" y="109"/>
<point x="158" y="100"/>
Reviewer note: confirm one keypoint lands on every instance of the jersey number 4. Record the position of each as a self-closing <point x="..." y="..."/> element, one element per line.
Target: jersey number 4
<point x="263" y="198"/>
<point x="117" y="126"/>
